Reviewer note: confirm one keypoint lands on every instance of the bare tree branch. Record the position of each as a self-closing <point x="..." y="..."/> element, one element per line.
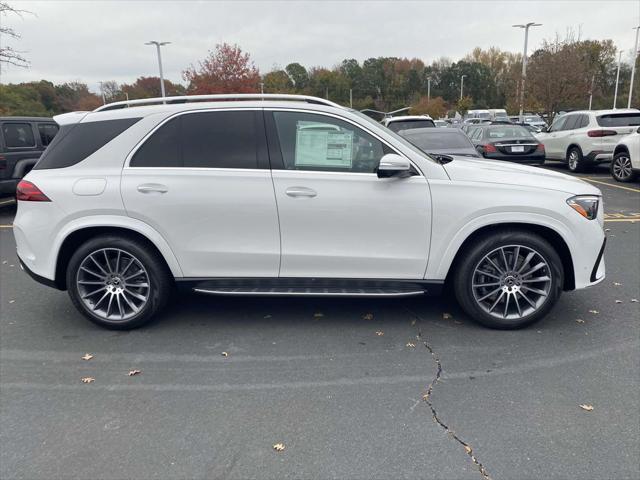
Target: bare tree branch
<point x="8" y="55"/>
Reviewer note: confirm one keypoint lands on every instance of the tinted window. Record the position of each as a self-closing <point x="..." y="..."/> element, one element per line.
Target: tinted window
<point x="570" y="122"/>
<point x="18" y="135"/>
<point x="47" y="132"/>
<point x="438" y="141"/>
<point x="318" y="142"/>
<point x="558" y="124"/>
<point x="584" y="121"/>
<point x="202" y="140"/>
<point x="619" y="120"/>
<point x="507" y="131"/>
<point x="76" y="142"/>
<point x="408" y="124"/>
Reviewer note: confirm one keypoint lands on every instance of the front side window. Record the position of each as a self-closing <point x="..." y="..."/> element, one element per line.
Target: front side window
<point x="558" y="124"/>
<point x="317" y="142"/>
<point x="571" y="122"/>
<point x="18" y="135"/>
<point x="225" y="139"/>
<point x="47" y="132"/>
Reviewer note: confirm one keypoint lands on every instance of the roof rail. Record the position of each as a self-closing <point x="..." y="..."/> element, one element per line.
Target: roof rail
<point x="200" y="98"/>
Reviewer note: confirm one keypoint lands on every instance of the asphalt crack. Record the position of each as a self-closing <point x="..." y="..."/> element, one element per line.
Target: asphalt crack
<point x="434" y="414"/>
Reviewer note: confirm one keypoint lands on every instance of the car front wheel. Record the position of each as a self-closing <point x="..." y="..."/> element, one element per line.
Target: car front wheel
<point x="117" y="282"/>
<point x="509" y="279"/>
<point x="621" y="168"/>
<point x="575" y="160"/>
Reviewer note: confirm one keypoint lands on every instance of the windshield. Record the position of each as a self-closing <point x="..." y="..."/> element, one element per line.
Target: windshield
<point x="619" y="120"/>
<point x="397" y="137"/>
<point x="439" y="141"/>
<point x="407" y="124"/>
<point x="507" y="131"/>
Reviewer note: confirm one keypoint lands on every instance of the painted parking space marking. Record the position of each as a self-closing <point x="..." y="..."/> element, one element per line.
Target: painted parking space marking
<point x="11" y="201"/>
<point x="6" y="226"/>
<point x="610" y="184"/>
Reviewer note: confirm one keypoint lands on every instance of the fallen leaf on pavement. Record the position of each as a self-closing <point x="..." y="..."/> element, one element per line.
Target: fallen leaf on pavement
<point x="468" y="449"/>
<point x="279" y="447"/>
<point x="133" y="372"/>
<point x="447" y="316"/>
<point x="87" y="379"/>
<point x="579" y="320"/>
<point x="87" y="356"/>
<point x="634" y="300"/>
<point x="411" y="345"/>
<point x="266" y="316"/>
<point x="11" y="301"/>
<point x="413" y="322"/>
<point x="367" y="316"/>
<point x="594" y="311"/>
<point x="425" y="397"/>
<point x="586" y="407"/>
<point x="225" y="354"/>
<point x="379" y="333"/>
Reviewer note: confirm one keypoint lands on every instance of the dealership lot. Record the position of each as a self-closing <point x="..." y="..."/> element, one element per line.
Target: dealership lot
<point x="340" y="383"/>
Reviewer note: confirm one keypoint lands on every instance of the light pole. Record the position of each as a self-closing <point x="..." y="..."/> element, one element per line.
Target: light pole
<point x="158" y="45"/>
<point x="524" y="59"/>
<point x="461" y="85"/>
<point x="633" y="68"/>
<point x="428" y="89"/>
<point x="615" y="94"/>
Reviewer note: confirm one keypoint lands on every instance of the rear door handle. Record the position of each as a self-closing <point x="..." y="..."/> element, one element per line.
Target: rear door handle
<point x="300" y="192"/>
<point x="153" y="188"/>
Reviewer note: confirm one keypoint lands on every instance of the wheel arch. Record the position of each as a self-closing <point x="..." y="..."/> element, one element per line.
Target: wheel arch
<point x="569" y="147"/>
<point x="620" y="149"/>
<point x="76" y="237"/>
<point x="549" y="234"/>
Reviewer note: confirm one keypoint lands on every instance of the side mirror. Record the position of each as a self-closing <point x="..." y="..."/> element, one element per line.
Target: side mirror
<point x="392" y="165"/>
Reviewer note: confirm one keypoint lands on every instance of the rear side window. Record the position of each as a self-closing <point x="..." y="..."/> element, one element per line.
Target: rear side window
<point x="203" y="140"/>
<point x="18" y="135"/>
<point x="47" y="132"/>
<point x="76" y="142"/>
<point x="619" y="120"/>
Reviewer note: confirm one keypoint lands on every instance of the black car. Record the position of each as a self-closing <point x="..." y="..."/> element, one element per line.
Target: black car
<point x="438" y="141"/>
<point x="508" y="142"/>
<point x="22" y="141"/>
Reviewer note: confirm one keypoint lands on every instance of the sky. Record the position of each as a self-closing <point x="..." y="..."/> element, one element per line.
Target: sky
<point x="93" y="41"/>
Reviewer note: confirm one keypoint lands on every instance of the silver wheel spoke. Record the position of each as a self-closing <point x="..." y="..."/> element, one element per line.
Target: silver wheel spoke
<point x="87" y="295"/>
<point x="506" y="305"/>
<point x="515" y="298"/>
<point x="95" y="262"/>
<point x="131" y="305"/>
<point x="515" y="257"/>
<point x="491" y="284"/>
<point x="136" y="295"/>
<point x="489" y="294"/>
<point x="87" y="282"/>
<point x="496" y="302"/>
<point x="527" y="299"/>
<point x="537" y="279"/>
<point x="534" y="269"/>
<point x="488" y="274"/>
<point x="91" y="272"/>
<point x="526" y="261"/>
<point x="494" y="265"/>
<point x="127" y="267"/>
<point x="134" y="275"/>
<point x="119" y="306"/>
<point x="504" y="258"/>
<point x="535" y="290"/>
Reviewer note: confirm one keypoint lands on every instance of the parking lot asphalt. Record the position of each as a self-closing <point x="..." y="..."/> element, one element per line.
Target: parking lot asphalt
<point x="340" y="383"/>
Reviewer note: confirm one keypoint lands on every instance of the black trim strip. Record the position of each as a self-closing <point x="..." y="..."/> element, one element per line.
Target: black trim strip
<point x="595" y="267"/>
<point x="38" y="278"/>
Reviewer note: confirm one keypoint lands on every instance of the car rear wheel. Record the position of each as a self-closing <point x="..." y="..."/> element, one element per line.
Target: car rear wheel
<point x="575" y="160"/>
<point x="117" y="283"/>
<point x="509" y="279"/>
<point x="621" y="168"/>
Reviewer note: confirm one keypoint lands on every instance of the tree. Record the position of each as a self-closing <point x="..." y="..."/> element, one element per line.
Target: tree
<point x="227" y="69"/>
<point x="435" y="107"/>
<point x="464" y="104"/>
<point x="298" y="75"/>
<point x="277" y="82"/>
<point x="149" y="87"/>
<point x="8" y="55"/>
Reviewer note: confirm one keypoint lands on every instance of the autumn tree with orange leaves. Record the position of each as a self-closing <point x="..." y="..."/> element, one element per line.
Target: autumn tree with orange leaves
<point x="227" y="69"/>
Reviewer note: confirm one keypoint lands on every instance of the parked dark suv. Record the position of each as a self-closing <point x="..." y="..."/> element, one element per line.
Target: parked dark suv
<point x="22" y="141"/>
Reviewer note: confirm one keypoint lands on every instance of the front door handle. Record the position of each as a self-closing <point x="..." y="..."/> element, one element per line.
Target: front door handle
<point x="153" y="188"/>
<point x="300" y="192"/>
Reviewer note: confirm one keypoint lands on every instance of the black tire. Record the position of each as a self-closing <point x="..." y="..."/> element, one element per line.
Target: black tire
<point x="621" y="168"/>
<point x="158" y="286"/>
<point x="465" y="272"/>
<point x="575" y="161"/>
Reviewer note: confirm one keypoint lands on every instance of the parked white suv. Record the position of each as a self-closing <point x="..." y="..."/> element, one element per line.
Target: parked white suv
<point x="292" y="195"/>
<point x="625" y="166"/>
<point x="586" y="138"/>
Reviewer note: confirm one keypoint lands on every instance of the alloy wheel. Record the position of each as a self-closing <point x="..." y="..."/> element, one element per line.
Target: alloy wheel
<point x="573" y="160"/>
<point x="622" y="167"/>
<point x="511" y="282"/>
<point x="113" y="284"/>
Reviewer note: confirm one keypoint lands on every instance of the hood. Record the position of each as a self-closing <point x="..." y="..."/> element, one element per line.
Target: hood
<point x="490" y="171"/>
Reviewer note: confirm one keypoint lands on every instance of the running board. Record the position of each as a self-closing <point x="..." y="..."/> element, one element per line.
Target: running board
<point x="313" y="292"/>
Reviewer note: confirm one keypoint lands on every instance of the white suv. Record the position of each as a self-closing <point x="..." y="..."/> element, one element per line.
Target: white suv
<point x="407" y="122"/>
<point x="588" y="137"/>
<point x="292" y="195"/>
<point x="625" y="165"/>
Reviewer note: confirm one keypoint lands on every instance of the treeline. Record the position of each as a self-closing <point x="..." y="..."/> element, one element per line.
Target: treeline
<point x="561" y="75"/>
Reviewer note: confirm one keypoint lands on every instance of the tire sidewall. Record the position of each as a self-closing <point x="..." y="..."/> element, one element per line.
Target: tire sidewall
<point x="613" y="162"/>
<point x="158" y="279"/>
<point x="580" y="167"/>
<point x="464" y="277"/>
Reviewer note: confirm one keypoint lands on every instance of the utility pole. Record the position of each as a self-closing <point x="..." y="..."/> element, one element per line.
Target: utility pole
<point x="593" y="78"/>
<point x="104" y="101"/>
<point x="615" y="94"/>
<point x="524" y="60"/>
<point x="461" y="85"/>
<point x="158" y="45"/>
<point x="633" y="68"/>
<point x="428" y="89"/>
<point x="351" y="98"/>
<point x="262" y="88"/>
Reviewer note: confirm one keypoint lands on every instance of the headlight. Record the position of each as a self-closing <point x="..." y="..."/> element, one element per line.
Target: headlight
<point x="585" y="205"/>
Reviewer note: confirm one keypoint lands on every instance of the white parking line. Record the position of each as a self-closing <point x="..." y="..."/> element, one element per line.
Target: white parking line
<point x="8" y="202"/>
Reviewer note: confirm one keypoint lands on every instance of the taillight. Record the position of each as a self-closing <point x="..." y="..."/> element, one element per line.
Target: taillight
<point x="489" y="148"/>
<point x="540" y="147"/>
<point x="601" y="133"/>
<point x="28" y="192"/>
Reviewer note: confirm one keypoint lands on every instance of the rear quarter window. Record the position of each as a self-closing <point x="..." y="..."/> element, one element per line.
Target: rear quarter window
<point x="76" y="142"/>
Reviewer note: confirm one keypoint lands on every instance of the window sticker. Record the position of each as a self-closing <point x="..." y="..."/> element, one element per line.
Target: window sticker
<point x="323" y="145"/>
